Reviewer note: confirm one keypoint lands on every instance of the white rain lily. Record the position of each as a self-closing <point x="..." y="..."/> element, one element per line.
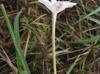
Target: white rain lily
<point x="55" y="7"/>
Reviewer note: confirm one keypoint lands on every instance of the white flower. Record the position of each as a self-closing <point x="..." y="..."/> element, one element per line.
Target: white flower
<point x="57" y="6"/>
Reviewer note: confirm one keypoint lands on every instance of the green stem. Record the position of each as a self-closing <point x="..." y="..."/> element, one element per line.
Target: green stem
<point x="53" y="41"/>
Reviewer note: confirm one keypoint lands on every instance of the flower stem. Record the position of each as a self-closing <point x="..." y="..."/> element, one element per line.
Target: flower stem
<point x="53" y="41"/>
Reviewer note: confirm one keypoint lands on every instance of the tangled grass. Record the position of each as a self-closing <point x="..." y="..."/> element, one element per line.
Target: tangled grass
<point x="77" y="38"/>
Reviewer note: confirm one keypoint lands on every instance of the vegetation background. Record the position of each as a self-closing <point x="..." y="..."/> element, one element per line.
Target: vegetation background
<point x="77" y="38"/>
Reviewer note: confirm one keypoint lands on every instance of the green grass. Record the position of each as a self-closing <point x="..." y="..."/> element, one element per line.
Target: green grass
<point x="77" y="39"/>
<point x="20" y="59"/>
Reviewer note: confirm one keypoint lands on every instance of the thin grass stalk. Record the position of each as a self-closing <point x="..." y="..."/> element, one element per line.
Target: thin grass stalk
<point x="27" y="43"/>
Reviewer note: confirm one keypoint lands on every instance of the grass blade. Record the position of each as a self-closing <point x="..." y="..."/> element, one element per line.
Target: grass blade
<point x="88" y="15"/>
<point x="94" y="20"/>
<point x="85" y="41"/>
<point x="16" y="27"/>
<point x="72" y="66"/>
<point x="23" y="63"/>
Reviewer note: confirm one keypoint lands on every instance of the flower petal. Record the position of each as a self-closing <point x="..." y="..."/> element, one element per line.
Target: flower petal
<point x="53" y="1"/>
<point x="47" y="3"/>
<point x="61" y="5"/>
<point x="68" y="4"/>
<point x="57" y="6"/>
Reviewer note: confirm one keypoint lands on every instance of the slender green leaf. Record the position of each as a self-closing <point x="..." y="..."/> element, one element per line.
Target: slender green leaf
<point x="24" y="66"/>
<point x="88" y="40"/>
<point x="94" y="20"/>
<point x="16" y="27"/>
<point x="88" y="15"/>
<point x="72" y="66"/>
